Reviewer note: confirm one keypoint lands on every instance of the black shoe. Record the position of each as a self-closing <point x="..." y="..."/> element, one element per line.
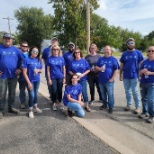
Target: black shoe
<point x="70" y="113"/>
<point x="110" y="110"/>
<point x="103" y="107"/>
<point x="14" y="110"/>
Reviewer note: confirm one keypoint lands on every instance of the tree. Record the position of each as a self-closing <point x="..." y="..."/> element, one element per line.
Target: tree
<point x="33" y="25"/>
<point x="70" y="20"/>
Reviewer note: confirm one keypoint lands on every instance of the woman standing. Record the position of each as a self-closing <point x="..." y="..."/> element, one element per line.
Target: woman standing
<point x="108" y="67"/>
<point x="72" y="97"/>
<point x="80" y="67"/>
<point x="92" y="58"/>
<point x="56" y="74"/>
<point x="147" y="86"/>
<point x="32" y="67"/>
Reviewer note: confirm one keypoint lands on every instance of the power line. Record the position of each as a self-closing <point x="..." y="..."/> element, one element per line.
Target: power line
<point x="8" y="18"/>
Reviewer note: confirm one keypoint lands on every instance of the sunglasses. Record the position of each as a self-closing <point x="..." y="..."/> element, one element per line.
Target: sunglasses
<point x="55" y="49"/>
<point x="24" y="46"/>
<point x="150" y="50"/>
<point x="130" y="43"/>
<point x="35" y="51"/>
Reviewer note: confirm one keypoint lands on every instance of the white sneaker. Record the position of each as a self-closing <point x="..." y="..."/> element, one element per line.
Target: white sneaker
<point x="31" y="114"/>
<point x="37" y="110"/>
<point x="54" y="107"/>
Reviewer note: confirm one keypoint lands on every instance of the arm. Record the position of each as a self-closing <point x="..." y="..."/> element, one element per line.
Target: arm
<point x="48" y="75"/>
<point x="75" y="101"/>
<point x="121" y="72"/>
<point x="27" y="79"/>
<point x="113" y="76"/>
<point x="64" y="72"/>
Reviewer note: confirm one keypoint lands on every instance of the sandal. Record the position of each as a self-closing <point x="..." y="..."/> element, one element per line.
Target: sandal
<point x="87" y="109"/>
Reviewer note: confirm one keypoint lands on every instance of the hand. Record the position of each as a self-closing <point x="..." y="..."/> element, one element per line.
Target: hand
<point x="50" y="82"/>
<point x="1" y="73"/>
<point x="18" y="71"/>
<point x="36" y="71"/>
<point x="111" y="80"/>
<point x="142" y="71"/>
<point x="81" y="103"/>
<point x="30" y="87"/>
<point x="64" y="80"/>
<point x="121" y="78"/>
<point x="147" y="72"/>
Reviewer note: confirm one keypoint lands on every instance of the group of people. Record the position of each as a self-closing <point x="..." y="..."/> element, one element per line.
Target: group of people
<point x="72" y="69"/>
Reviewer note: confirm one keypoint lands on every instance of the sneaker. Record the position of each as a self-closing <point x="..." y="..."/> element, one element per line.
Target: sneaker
<point x="31" y="114"/>
<point x="1" y="115"/>
<point x="127" y="108"/>
<point x="137" y="111"/>
<point x="22" y="106"/>
<point x="61" y="108"/>
<point x="103" y="107"/>
<point x="70" y="113"/>
<point x="91" y="102"/>
<point x="14" y="110"/>
<point x="143" y="115"/>
<point x="150" y="120"/>
<point x="37" y="110"/>
<point x="110" y="110"/>
<point x="54" y="107"/>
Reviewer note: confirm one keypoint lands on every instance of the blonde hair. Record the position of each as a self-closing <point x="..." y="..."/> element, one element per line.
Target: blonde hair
<point x="93" y="45"/>
<point x="53" y="47"/>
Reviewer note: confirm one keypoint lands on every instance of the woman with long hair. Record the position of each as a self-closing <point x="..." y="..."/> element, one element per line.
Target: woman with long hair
<point x="32" y="67"/>
<point x="56" y="74"/>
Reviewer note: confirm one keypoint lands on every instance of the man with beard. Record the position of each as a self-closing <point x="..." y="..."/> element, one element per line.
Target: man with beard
<point x="129" y="69"/>
<point x="68" y="57"/>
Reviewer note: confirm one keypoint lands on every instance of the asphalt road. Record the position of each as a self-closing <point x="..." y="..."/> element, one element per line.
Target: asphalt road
<point x="51" y="132"/>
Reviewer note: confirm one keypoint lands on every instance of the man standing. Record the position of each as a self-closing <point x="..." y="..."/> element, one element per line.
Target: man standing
<point x="21" y="80"/>
<point x="68" y="57"/>
<point x="10" y="61"/>
<point x="129" y="69"/>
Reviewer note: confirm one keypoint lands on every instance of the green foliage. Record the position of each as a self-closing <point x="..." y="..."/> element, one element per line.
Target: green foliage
<point x="70" y="20"/>
<point x="33" y="25"/>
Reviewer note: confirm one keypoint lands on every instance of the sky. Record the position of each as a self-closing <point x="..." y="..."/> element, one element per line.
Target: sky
<point x="135" y="15"/>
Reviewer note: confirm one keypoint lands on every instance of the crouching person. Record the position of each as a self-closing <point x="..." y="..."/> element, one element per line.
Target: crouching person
<point x="72" y="98"/>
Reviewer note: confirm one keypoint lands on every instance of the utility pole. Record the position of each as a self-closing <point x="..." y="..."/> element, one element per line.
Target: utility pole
<point x="88" y="25"/>
<point x="8" y="18"/>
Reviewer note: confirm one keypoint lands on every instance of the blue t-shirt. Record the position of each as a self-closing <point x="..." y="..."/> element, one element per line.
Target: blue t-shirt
<point x="149" y="65"/>
<point x="31" y="64"/>
<point x="68" y="58"/>
<point x="21" y="78"/>
<point x="131" y="60"/>
<point x="111" y="64"/>
<point x="79" y="66"/>
<point x="10" y="60"/>
<point x="45" y="55"/>
<point x="74" y="91"/>
<point x="56" y="67"/>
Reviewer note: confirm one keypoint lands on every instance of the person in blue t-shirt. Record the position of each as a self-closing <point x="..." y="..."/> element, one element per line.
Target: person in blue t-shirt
<point x="107" y="67"/>
<point x="10" y="62"/>
<point x="32" y="67"/>
<point x="72" y="97"/>
<point x="129" y="69"/>
<point x="56" y="74"/>
<point x="68" y="58"/>
<point x="92" y="58"/>
<point x="147" y="86"/>
<point x="81" y="67"/>
<point x="45" y="55"/>
<point x="21" y="80"/>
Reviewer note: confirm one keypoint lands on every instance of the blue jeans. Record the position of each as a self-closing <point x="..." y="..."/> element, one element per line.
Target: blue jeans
<point x="84" y="90"/>
<point x="57" y="86"/>
<point x="33" y="94"/>
<point x="22" y="93"/>
<point x="11" y="85"/>
<point x="131" y="86"/>
<point x="77" y="108"/>
<point x="92" y="81"/>
<point x="107" y="93"/>
<point x="147" y="94"/>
